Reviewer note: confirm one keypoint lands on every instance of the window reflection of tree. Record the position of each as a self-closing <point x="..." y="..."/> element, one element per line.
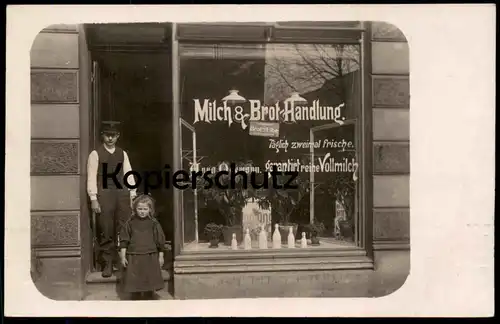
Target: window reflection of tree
<point x="329" y="73"/>
<point x="306" y="68"/>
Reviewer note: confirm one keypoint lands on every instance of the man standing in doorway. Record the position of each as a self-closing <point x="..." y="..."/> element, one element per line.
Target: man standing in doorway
<point x="110" y="202"/>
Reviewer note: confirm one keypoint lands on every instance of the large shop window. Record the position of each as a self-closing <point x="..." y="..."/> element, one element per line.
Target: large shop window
<point x="296" y="106"/>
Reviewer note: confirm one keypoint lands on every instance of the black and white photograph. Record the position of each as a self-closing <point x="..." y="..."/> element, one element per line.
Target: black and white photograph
<point x="249" y="161"/>
<point x="220" y="160"/>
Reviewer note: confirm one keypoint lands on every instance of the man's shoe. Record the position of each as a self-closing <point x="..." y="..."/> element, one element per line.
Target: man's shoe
<point x="108" y="270"/>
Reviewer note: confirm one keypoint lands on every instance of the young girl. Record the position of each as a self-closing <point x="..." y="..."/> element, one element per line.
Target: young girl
<point x="142" y="244"/>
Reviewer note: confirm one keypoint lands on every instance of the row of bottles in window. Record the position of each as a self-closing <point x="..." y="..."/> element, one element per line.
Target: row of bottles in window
<point x="263" y="240"/>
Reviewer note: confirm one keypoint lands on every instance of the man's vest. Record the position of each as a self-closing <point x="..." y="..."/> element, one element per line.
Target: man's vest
<point x="112" y="160"/>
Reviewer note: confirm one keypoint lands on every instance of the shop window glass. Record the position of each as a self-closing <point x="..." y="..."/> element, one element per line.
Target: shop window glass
<point x="295" y="105"/>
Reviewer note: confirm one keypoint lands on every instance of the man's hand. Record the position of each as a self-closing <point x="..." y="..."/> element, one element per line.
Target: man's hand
<point x="96" y="208"/>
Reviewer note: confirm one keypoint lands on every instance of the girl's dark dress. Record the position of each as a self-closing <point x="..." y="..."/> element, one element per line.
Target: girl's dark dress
<point x="143" y="238"/>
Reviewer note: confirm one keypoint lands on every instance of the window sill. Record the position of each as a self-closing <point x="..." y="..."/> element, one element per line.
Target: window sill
<point x="272" y="261"/>
<point x="391" y="245"/>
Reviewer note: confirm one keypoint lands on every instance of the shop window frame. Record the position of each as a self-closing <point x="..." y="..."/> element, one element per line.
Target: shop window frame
<point x="267" y="33"/>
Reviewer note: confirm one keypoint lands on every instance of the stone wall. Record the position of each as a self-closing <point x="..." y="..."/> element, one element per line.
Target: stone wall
<point x="391" y="146"/>
<point x="58" y="230"/>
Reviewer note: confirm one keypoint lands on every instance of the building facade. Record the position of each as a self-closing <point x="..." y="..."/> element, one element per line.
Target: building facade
<point x="151" y="77"/>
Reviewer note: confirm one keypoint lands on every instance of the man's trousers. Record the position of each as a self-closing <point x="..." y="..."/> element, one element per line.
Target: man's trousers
<point x="115" y="211"/>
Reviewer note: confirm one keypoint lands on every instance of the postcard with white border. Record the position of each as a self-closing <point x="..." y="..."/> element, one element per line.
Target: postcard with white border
<point x="251" y="160"/>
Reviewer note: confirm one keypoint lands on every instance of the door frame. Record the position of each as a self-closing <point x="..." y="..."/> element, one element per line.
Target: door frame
<point x="356" y="211"/>
<point x="91" y="115"/>
<point x="195" y="167"/>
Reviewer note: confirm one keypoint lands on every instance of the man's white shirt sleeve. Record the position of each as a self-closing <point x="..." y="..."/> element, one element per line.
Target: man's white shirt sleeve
<point x="126" y="168"/>
<point x="92" y="166"/>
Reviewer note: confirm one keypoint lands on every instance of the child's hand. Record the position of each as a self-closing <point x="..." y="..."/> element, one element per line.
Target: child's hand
<point x="124" y="262"/>
<point x="162" y="261"/>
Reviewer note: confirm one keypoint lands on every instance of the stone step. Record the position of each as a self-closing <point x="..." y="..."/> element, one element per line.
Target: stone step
<point x="99" y="288"/>
<point x="96" y="277"/>
<point x="111" y="294"/>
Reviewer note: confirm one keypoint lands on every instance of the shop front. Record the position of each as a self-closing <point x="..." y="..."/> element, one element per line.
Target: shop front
<point x="327" y="104"/>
